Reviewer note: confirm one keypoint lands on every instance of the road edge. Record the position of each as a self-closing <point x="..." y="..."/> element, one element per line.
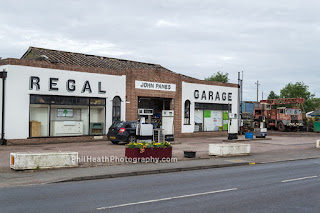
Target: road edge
<point x="180" y="169"/>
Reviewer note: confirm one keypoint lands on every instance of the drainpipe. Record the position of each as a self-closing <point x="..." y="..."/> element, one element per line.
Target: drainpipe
<point x="3" y="75"/>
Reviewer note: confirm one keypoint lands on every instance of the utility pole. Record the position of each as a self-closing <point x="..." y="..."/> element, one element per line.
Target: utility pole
<point x="257" y="90"/>
<point x="262" y="95"/>
<point x="3" y="75"/>
<point x="241" y="93"/>
<point x="241" y="101"/>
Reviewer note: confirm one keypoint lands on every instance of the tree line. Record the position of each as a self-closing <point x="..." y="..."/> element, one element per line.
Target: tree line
<point x="298" y="90"/>
<point x="291" y="90"/>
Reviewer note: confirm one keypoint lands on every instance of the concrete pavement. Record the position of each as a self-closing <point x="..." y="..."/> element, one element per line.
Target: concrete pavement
<point x="280" y="148"/>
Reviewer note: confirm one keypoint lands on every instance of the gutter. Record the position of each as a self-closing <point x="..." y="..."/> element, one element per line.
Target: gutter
<point x="3" y="75"/>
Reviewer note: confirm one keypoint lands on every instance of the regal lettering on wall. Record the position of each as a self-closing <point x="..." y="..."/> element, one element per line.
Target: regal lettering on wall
<point x="70" y="85"/>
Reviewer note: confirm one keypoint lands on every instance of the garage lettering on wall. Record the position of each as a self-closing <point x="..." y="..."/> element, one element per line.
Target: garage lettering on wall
<point x="212" y="96"/>
<point x="71" y="85"/>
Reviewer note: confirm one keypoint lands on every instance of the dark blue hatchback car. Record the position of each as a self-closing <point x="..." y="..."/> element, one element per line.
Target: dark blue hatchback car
<point x="124" y="131"/>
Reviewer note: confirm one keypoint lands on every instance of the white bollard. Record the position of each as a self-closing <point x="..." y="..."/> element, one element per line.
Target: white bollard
<point x="318" y="144"/>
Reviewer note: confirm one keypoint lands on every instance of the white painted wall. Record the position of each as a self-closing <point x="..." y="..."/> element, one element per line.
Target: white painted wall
<point x="188" y="90"/>
<point x="18" y="93"/>
<point x="0" y="103"/>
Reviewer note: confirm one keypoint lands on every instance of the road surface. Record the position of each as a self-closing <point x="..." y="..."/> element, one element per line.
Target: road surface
<point x="278" y="187"/>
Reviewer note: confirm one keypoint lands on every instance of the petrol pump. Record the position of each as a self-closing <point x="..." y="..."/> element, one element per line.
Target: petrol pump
<point x="233" y="126"/>
<point x="167" y="124"/>
<point x="262" y="131"/>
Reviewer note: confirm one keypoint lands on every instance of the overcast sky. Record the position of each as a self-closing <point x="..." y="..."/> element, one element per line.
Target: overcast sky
<point x="273" y="41"/>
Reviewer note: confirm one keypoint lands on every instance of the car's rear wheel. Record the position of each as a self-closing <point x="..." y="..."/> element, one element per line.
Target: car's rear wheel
<point x="132" y="138"/>
<point x="115" y="142"/>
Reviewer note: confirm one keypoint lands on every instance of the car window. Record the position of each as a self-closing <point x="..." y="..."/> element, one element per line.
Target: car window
<point x="133" y="125"/>
<point x="117" y="124"/>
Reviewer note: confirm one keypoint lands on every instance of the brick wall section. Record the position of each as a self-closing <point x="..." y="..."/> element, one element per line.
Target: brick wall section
<point x="132" y="94"/>
<point x="146" y="75"/>
<point x="163" y="77"/>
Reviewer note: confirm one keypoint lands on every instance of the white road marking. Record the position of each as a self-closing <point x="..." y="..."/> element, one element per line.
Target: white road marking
<point x="168" y="198"/>
<point x="284" y="181"/>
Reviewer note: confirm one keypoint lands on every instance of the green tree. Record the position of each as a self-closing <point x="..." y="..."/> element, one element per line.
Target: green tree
<point x="314" y="104"/>
<point x="299" y="90"/>
<point x="219" y="76"/>
<point x="273" y="95"/>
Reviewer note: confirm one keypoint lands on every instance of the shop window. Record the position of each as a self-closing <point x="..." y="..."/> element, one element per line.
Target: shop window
<point x="39" y="120"/>
<point x="69" y="120"/>
<point x="208" y="106"/>
<point x="213" y="120"/>
<point x="66" y="116"/>
<point x="97" y="120"/>
<point x="116" y="109"/>
<point x="211" y="117"/>
<point x="97" y="101"/>
<point x="187" y="112"/>
<point x="198" y="120"/>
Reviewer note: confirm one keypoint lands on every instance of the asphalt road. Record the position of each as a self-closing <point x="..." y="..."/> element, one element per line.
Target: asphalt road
<point x="278" y="187"/>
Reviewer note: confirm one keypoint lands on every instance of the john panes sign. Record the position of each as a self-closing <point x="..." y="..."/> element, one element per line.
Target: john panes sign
<point x="155" y="86"/>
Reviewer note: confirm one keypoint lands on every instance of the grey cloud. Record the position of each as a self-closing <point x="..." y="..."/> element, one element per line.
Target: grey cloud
<point x="275" y="42"/>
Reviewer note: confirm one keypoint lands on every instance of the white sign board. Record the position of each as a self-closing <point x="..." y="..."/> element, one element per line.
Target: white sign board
<point x="155" y="86"/>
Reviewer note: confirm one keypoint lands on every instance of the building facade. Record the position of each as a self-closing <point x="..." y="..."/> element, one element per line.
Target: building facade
<point x="56" y="95"/>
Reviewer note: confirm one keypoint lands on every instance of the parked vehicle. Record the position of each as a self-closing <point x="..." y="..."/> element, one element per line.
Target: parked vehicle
<point x="280" y="118"/>
<point x="247" y="124"/>
<point x="124" y="131"/>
